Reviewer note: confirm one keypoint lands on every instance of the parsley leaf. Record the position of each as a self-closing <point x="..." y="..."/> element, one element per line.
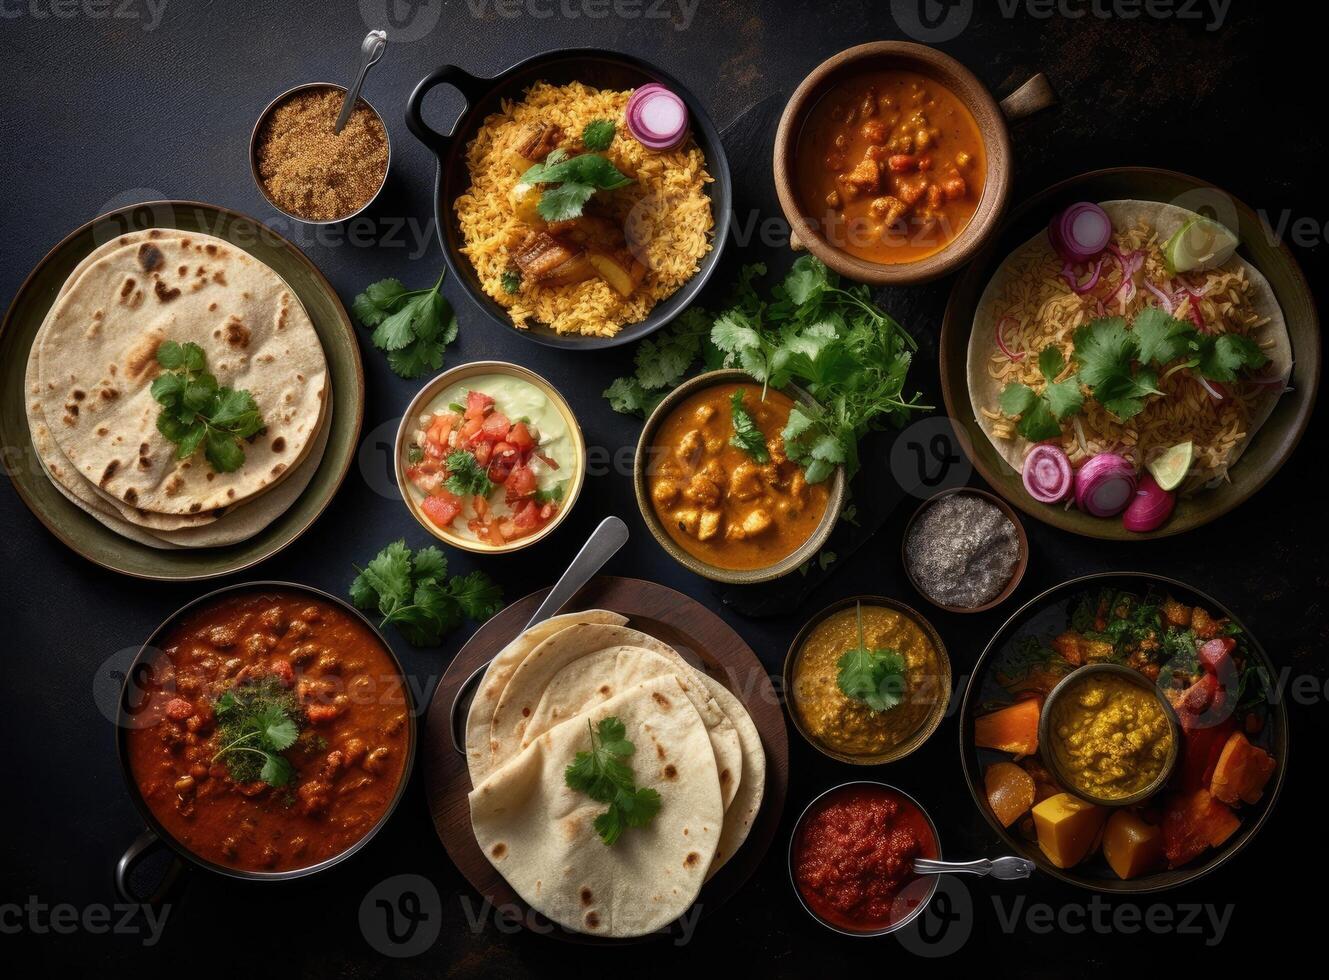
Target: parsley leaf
<point x="874" y="677"/>
<point x="604" y="776"/>
<point x="1221" y="356"/>
<point x="256" y="722"/>
<point x="197" y="411"/>
<point x="466" y="477"/>
<point x="1041" y="414"/>
<point x="570" y="182"/>
<point x="413" y="327"/>
<point x="414" y="592"/>
<point x="1160" y="338"/>
<point x="1104" y="352"/>
<point x="598" y="134"/>
<point x="832" y="340"/>
<point x="747" y="436"/>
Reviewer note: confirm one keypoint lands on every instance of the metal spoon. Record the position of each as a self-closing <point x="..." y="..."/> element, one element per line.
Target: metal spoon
<point x="371" y="50"/>
<point x="1005" y="868"/>
<point x="602" y="545"/>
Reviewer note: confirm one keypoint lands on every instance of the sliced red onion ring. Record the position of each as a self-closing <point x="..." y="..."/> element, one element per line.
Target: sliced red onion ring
<point x="1068" y="273"/>
<point x="1163" y="298"/>
<point x="1047" y="474"/>
<point x="1001" y="338"/>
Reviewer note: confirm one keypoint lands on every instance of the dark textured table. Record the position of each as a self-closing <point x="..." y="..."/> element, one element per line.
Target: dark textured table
<point x="109" y="103"/>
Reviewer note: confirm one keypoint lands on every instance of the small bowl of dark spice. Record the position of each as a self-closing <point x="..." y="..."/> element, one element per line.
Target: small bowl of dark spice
<point x="965" y="551"/>
<point x="306" y="169"/>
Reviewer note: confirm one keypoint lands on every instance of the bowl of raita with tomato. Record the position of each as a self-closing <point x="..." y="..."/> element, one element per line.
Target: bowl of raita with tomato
<point x="490" y="457"/>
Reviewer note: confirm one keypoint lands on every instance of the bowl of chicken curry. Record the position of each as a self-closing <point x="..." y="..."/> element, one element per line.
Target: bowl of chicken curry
<point x="716" y="488"/>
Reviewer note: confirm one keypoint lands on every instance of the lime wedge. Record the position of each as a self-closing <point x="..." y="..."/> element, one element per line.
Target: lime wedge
<point x="1171" y="467"/>
<point x="1199" y="244"/>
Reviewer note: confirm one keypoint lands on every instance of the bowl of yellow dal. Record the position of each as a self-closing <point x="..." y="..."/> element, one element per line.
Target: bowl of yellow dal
<point x="850" y="729"/>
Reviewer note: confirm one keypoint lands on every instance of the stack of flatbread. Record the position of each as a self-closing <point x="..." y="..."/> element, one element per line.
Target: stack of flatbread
<point x="92" y="415"/>
<point x="695" y="745"/>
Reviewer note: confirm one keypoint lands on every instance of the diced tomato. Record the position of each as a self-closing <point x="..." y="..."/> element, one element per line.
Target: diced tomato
<point x="442" y="508"/>
<point x="520" y="483"/>
<point x="437" y="436"/>
<point x="500" y="467"/>
<point x="495" y="427"/>
<point x="520" y="436"/>
<point x="478" y="404"/>
<point x="469" y="430"/>
<point x="482" y="452"/>
<point x="527" y="515"/>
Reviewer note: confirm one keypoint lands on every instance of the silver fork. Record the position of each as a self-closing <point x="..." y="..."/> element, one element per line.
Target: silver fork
<point x="1007" y="868"/>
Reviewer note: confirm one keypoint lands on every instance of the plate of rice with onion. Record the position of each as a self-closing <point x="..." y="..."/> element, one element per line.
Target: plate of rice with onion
<point x="1124" y="359"/>
<point x="586" y="207"/>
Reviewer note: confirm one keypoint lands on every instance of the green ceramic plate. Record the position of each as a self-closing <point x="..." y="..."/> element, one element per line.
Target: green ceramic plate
<point x="1273" y="443"/>
<point x="80" y="531"/>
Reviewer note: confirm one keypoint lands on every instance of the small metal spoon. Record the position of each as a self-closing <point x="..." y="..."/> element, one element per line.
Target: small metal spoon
<point x="1005" y="868"/>
<point x="371" y="50"/>
<point x="602" y="545"/>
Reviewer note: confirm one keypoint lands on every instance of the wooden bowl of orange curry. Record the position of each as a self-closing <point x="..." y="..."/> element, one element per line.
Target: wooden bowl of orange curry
<point x="715" y="507"/>
<point x="893" y="161"/>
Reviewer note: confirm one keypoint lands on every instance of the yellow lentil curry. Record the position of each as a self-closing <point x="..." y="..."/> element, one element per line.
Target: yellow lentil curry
<point x="716" y="501"/>
<point x="1111" y="736"/>
<point x="848" y="726"/>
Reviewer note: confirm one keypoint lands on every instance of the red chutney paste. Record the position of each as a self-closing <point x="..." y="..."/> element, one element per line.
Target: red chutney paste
<point x="854" y="853"/>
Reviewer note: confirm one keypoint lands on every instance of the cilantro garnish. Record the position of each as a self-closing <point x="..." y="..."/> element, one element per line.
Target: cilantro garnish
<point x="874" y="676"/>
<point x="197" y="411"/>
<point x="412" y="326"/>
<point x="1104" y="351"/>
<point x="747" y="436"/>
<point x="1041" y="414"/>
<point x="851" y="356"/>
<point x="553" y="495"/>
<point x="511" y="280"/>
<point x="598" y="134"/>
<point x="602" y="775"/>
<point x="255" y="724"/>
<point x="415" y="592"/>
<point x="466" y="477"/>
<point x="570" y="182"/>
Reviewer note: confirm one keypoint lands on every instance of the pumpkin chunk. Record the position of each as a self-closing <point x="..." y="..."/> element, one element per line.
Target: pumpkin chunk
<point x="1131" y="846"/>
<point x="1013" y="729"/>
<point x="1241" y="772"/>
<point x="1193" y="823"/>
<point x="1068" y="828"/>
<point x="1010" y="791"/>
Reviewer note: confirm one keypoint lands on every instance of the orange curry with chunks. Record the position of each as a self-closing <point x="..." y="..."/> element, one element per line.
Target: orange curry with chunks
<point x="233" y="682"/>
<point x="1219" y="691"/>
<point x="890" y="166"/>
<point x="718" y="502"/>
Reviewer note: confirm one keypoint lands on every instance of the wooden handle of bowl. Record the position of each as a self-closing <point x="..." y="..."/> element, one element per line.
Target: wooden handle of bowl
<point x="1033" y="96"/>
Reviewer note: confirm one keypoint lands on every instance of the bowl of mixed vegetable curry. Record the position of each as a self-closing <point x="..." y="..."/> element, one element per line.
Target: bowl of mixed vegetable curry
<point x="1161" y="751"/>
<point x="892" y="163"/>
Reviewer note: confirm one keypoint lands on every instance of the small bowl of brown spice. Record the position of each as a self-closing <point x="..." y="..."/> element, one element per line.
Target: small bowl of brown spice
<point x="965" y="551"/>
<point x="305" y="169"/>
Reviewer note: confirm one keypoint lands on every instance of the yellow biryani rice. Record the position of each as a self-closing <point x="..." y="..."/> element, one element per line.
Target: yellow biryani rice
<point x="1044" y="310"/>
<point x="666" y="213"/>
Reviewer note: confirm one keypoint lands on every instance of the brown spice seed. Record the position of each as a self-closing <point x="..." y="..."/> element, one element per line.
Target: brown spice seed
<point x="312" y="172"/>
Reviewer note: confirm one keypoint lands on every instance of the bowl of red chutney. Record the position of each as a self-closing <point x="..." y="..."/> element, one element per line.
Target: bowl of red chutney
<point x="852" y="854"/>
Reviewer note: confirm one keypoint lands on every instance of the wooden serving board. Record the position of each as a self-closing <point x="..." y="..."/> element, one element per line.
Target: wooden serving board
<point x="701" y="637"/>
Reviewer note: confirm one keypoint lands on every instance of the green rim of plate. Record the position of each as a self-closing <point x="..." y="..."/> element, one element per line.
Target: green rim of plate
<point x="1273" y="443"/>
<point x="85" y="535"/>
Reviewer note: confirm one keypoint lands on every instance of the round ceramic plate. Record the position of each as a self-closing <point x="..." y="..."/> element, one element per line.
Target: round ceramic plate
<point x="1047" y="615"/>
<point x="80" y="531"/>
<point x="1273" y="442"/>
<point x="702" y="638"/>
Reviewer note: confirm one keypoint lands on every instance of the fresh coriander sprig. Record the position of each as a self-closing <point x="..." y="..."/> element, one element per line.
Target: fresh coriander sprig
<point x="466" y="477"/>
<point x="197" y="411"/>
<point x="414" y="327"/>
<point x="876" y="677"/>
<point x="255" y="724"/>
<point x="1041" y="413"/>
<point x="602" y="775"/>
<point x="747" y="435"/>
<point x="414" y="592"/>
<point x="569" y="182"/>
<point x="598" y="134"/>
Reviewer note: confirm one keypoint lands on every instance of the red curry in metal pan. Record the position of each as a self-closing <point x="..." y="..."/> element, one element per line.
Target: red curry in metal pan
<point x="273" y="732"/>
<point x="890" y="166"/>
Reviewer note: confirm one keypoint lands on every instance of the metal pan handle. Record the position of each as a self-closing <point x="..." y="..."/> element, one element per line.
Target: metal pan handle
<point x="145" y="844"/>
<point x="602" y="545"/>
<point x="471" y="89"/>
